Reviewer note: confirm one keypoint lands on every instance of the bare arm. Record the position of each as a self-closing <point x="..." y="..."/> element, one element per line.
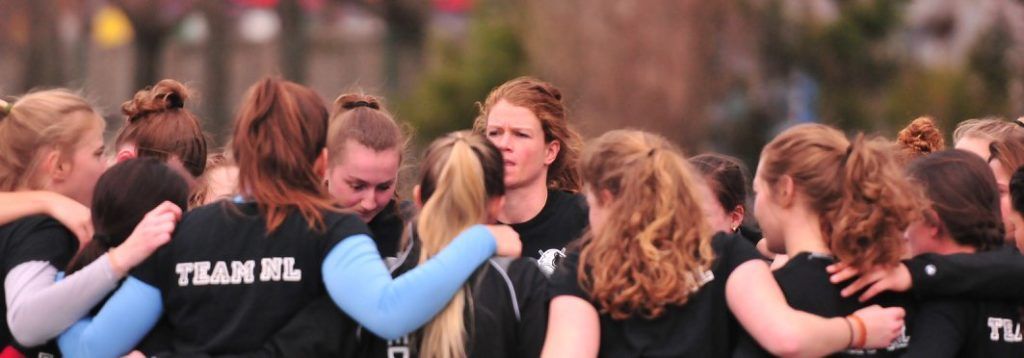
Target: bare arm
<point x="574" y="329"/>
<point x="75" y="216"/>
<point x="758" y="303"/>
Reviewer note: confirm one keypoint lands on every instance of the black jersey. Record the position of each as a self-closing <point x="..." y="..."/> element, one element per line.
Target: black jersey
<point x="228" y="286"/>
<point x="562" y="220"/>
<point x="703" y="327"/>
<point x="507" y="317"/>
<point x="33" y="238"/>
<point x="387" y="227"/>
<point x="962" y="328"/>
<point x="807" y="288"/>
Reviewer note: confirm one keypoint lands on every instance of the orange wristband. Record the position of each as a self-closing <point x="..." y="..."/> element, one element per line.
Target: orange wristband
<point x="863" y="336"/>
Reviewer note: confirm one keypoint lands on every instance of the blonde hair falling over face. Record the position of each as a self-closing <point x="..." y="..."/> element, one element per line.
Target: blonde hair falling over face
<point x="655" y="246"/>
<point x="462" y="172"/>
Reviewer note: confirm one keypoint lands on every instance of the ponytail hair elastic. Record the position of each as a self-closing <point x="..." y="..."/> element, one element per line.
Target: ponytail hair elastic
<point x="6" y="107"/>
<point x="355" y="104"/>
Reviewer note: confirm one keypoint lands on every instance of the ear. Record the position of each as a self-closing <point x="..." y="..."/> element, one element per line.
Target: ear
<point x="785" y="191"/>
<point x="125" y="153"/>
<point x="932" y="225"/>
<point x="604" y="197"/>
<point x="49" y="167"/>
<point x="416" y="198"/>
<point x="325" y="177"/>
<point x="736" y="216"/>
<point x="494" y="206"/>
<point x="320" y="165"/>
<point x="551" y="152"/>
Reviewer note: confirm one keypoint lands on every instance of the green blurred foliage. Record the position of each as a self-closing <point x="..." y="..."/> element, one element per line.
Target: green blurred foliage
<point x="867" y="82"/>
<point x="445" y="100"/>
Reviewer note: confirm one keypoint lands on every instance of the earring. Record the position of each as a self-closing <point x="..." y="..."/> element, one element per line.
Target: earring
<point x="735" y="228"/>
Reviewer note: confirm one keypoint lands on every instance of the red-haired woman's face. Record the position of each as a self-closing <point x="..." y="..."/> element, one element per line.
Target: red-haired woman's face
<point x="517" y="132"/>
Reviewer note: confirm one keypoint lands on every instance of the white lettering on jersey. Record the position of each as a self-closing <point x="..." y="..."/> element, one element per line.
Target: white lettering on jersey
<point x="270" y="269"/>
<point x="183" y="269"/>
<point x="1010" y="330"/>
<point x="399" y="348"/>
<point x="202" y="276"/>
<point x="199" y="273"/>
<point x="291" y="273"/>
<point x="242" y="271"/>
<point x="220" y="275"/>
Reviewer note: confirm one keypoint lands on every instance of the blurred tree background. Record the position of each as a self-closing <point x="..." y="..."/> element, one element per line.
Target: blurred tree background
<point x="721" y="75"/>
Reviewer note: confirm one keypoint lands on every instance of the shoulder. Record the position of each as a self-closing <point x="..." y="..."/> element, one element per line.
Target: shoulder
<point x="34" y="226"/>
<point x="526" y="270"/>
<point x="32" y="223"/>
<point x="345" y="224"/>
<point x="567" y="200"/>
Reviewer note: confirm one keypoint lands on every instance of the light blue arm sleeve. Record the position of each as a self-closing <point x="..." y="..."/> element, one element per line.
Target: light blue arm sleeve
<point x="122" y="323"/>
<point x="361" y="285"/>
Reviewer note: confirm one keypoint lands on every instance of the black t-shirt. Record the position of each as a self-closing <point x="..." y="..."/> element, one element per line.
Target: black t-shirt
<point x="961" y="328"/>
<point x="491" y="324"/>
<point x="806" y="286"/>
<point x="227" y="285"/>
<point x="703" y="327"/>
<point x="387" y="227"/>
<point x="562" y="220"/>
<point x="34" y="238"/>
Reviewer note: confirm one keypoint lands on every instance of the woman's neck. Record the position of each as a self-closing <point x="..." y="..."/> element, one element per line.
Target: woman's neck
<point x="948" y="246"/>
<point x="803" y="234"/>
<point x="524" y="203"/>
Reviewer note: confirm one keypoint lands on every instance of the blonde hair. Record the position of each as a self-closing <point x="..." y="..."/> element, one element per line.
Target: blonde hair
<point x="655" y="245"/>
<point x="38" y="121"/>
<point x="461" y="172"/>
<point x="989" y="128"/>
<point x="201" y="192"/>
<point x="545" y="101"/>
<point x="858" y="188"/>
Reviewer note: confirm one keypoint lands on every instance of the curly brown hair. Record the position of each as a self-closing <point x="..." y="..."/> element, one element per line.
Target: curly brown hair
<point x="858" y="188"/>
<point x="655" y="246"/>
<point x="921" y="137"/>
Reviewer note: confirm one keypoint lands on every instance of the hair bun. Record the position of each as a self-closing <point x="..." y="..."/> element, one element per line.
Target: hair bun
<point x="352" y="101"/>
<point x="921" y="137"/>
<point x="165" y="95"/>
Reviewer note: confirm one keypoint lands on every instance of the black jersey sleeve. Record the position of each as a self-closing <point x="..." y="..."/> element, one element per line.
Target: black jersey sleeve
<point x="982" y="275"/>
<point x="148" y="270"/>
<point x="41" y="239"/>
<point x="564" y="281"/>
<point x="343" y="226"/>
<point x="532" y="293"/>
<point x="939" y="329"/>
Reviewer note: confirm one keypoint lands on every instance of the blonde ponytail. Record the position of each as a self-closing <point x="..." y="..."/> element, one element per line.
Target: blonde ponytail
<point x="462" y="172"/>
